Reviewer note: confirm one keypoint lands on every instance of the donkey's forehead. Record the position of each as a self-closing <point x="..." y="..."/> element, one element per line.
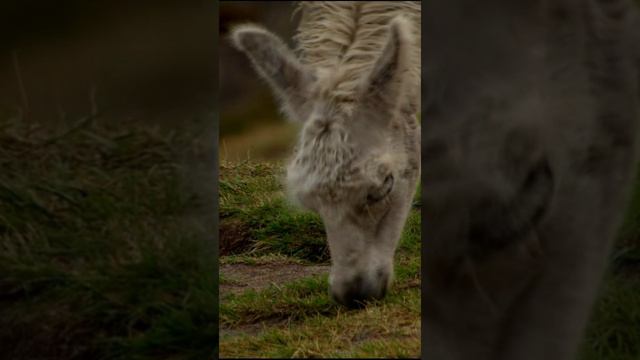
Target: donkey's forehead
<point x="326" y="164"/>
<point x="330" y="93"/>
<point x="317" y="179"/>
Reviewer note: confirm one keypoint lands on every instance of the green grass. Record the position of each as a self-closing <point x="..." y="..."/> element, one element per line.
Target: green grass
<point x="312" y="326"/>
<point x="95" y="261"/>
<point x="297" y="318"/>
<point x="252" y="203"/>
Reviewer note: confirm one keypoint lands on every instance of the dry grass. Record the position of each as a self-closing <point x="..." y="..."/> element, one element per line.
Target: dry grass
<point x="95" y="259"/>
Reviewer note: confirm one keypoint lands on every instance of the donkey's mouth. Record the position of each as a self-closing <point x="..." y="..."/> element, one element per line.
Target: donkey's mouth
<point x="497" y="224"/>
<point x="356" y="293"/>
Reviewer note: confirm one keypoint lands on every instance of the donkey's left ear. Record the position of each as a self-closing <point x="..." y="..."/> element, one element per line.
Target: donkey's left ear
<point x="385" y="85"/>
<point x="277" y="64"/>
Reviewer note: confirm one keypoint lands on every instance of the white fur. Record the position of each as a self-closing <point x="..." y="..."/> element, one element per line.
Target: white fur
<point x="355" y="88"/>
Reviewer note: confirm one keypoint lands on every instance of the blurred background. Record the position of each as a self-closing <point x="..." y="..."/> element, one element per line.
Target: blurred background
<point x="250" y="123"/>
<point x="144" y="60"/>
<point x="108" y="186"/>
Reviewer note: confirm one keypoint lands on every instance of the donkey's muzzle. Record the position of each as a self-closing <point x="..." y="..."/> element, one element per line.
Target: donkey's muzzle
<point x="357" y="292"/>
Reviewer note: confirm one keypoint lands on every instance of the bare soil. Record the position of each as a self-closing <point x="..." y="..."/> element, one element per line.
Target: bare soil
<point x="242" y="277"/>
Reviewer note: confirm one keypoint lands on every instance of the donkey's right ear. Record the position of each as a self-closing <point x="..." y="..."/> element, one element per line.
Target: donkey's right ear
<point x="276" y="63"/>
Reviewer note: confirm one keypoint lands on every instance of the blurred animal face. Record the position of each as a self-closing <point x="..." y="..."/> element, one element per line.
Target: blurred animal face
<point x="529" y="150"/>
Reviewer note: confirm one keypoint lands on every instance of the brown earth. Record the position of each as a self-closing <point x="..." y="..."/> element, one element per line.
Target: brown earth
<point x="242" y="277"/>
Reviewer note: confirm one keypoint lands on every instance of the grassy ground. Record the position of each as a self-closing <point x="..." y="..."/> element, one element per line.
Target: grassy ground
<point x="95" y="261"/>
<point x="285" y="317"/>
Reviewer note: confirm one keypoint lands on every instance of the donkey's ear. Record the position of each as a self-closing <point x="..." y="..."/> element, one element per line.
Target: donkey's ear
<point x="277" y="64"/>
<point x="384" y="86"/>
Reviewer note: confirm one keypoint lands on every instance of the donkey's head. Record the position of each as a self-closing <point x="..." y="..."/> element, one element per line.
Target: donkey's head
<point x="357" y="160"/>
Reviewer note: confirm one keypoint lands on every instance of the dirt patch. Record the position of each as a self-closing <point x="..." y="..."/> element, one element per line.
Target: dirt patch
<point x="241" y="277"/>
<point x="253" y="328"/>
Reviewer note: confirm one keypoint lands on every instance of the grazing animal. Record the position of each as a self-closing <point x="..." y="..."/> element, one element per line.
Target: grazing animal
<point x="354" y="86"/>
<point x="531" y="138"/>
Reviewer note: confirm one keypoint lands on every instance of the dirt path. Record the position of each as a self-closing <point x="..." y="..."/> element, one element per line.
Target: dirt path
<point x="242" y="277"/>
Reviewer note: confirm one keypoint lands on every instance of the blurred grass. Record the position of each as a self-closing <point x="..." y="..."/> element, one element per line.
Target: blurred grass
<point x="96" y="261"/>
<point x="242" y="117"/>
<point x="614" y="330"/>
<point x="266" y="142"/>
<point x="255" y="130"/>
<point x="630" y="231"/>
<point x="297" y="318"/>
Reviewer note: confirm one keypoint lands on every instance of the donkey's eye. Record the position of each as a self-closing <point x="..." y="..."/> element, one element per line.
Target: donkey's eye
<point x="381" y="192"/>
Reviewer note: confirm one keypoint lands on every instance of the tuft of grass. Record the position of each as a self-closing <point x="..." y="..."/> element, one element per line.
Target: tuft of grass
<point x="253" y="207"/>
<point x="277" y="228"/>
<point x="94" y="256"/>
<point x="246" y="185"/>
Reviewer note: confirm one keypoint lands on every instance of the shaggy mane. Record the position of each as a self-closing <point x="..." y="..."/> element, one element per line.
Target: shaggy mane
<point x="346" y="38"/>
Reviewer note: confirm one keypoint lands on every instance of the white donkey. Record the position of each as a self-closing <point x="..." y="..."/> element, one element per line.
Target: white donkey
<point x="355" y="88"/>
<point x="531" y="138"/>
